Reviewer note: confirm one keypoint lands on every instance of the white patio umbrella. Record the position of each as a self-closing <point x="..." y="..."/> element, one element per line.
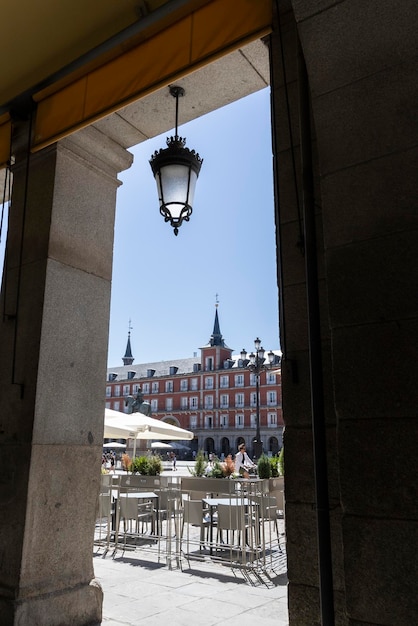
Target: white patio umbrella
<point x="135" y="426"/>
<point x="114" y="444"/>
<point x="161" y="444"/>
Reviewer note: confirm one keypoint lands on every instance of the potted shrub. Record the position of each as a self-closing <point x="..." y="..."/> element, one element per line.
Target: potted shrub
<point x="264" y="467"/>
<point x="200" y="465"/>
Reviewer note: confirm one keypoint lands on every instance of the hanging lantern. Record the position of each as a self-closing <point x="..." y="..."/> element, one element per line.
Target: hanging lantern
<point x="176" y="169"/>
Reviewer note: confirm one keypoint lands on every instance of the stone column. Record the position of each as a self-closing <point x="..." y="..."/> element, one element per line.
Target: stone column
<point x="53" y="335"/>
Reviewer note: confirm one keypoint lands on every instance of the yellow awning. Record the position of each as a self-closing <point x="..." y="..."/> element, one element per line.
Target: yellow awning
<point x="195" y="40"/>
<point x="205" y="34"/>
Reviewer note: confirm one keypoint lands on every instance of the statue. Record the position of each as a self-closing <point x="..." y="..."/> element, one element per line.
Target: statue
<point x="134" y="404"/>
<point x="137" y="404"/>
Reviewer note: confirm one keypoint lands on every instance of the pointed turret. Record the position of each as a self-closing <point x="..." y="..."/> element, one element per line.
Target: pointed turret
<point x="216" y="338"/>
<point x="216" y="353"/>
<point x="128" y="359"/>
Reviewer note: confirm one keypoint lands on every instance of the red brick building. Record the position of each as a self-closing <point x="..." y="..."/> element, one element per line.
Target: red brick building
<point x="213" y="395"/>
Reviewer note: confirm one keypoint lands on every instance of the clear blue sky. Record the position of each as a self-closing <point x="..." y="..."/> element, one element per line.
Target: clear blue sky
<point x="167" y="285"/>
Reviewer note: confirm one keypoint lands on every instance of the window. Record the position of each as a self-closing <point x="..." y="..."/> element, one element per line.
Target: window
<point x="135" y="388"/>
<point x="184" y="403"/>
<point x="224" y="382"/>
<point x="253" y="379"/>
<point x="194" y="384"/>
<point x="224" y="401"/>
<point x="154" y="405"/>
<point x="208" y="421"/>
<point x="154" y="388"/>
<point x="145" y="388"/>
<point x="126" y="390"/>
<point x="116" y="406"/>
<point x="253" y="420"/>
<point x="271" y="398"/>
<point x="224" y="420"/>
<point x="107" y="405"/>
<point x="169" y="404"/>
<point x="239" y="421"/>
<point x="193" y="402"/>
<point x="193" y="422"/>
<point x="253" y="398"/>
<point x="239" y="380"/>
<point x="270" y="378"/>
<point x="209" y="364"/>
<point x="239" y="400"/>
<point x="168" y="386"/>
<point x="108" y="392"/>
<point x="116" y="389"/>
<point x="209" y="382"/>
<point x="271" y="420"/>
<point x="184" y="385"/>
<point x="208" y="402"/>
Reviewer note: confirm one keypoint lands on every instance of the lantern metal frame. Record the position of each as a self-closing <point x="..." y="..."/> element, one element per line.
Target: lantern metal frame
<point x="174" y="155"/>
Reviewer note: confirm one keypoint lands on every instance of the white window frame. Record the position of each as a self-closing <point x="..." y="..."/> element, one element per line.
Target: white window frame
<point x="224" y="401"/>
<point x="208" y="421"/>
<point x="270" y="378"/>
<point x="209" y="382"/>
<point x="154" y="405"/>
<point x="184" y="384"/>
<point x="194" y="384"/>
<point x="145" y="388"/>
<point x="208" y="402"/>
<point x="224" y="382"/>
<point x="108" y="392"/>
<point x="239" y="400"/>
<point x="126" y="390"/>
<point x="253" y="420"/>
<point x="155" y="387"/>
<point x="116" y="406"/>
<point x="194" y="402"/>
<point x="224" y="420"/>
<point x="116" y="390"/>
<point x="169" y="386"/>
<point x="169" y="404"/>
<point x="271" y="398"/>
<point x="239" y="420"/>
<point x="253" y="398"/>
<point x="239" y="380"/>
<point x="272" y="420"/>
<point x="193" y="422"/>
<point x="184" y="402"/>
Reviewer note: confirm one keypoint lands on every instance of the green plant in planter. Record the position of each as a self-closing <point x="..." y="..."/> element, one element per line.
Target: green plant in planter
<point x="274" y="466"/>
<point x="281" y="461"/>
<point x="264" y="467"/>
<point x="217" y="470"/>
<point x="155" y="465"/>
<point x="200" y="465"/>
<point x="140" y="465"/>
<point x="147" y="465"/>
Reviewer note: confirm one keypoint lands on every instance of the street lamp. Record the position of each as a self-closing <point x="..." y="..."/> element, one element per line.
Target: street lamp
<point x="176" y="169"/>
<point x="256" y="365"/>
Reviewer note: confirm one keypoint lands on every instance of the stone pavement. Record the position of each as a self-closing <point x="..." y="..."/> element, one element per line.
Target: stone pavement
<point x="139" y="590"/>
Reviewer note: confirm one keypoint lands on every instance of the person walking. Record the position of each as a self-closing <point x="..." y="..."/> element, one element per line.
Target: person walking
<point x="174" y="459"/>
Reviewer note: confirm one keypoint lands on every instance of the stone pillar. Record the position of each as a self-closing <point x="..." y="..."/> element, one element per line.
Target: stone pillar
<point x="361" y="62"/>
<point x="53" y="335"/>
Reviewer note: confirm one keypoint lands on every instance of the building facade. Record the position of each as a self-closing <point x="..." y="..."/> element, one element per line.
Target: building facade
<point x="214" y="396"/>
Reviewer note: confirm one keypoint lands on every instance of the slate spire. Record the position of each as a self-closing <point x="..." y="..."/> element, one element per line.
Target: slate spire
<point x="128" y="359"/>
<point x="216" y="338"/>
